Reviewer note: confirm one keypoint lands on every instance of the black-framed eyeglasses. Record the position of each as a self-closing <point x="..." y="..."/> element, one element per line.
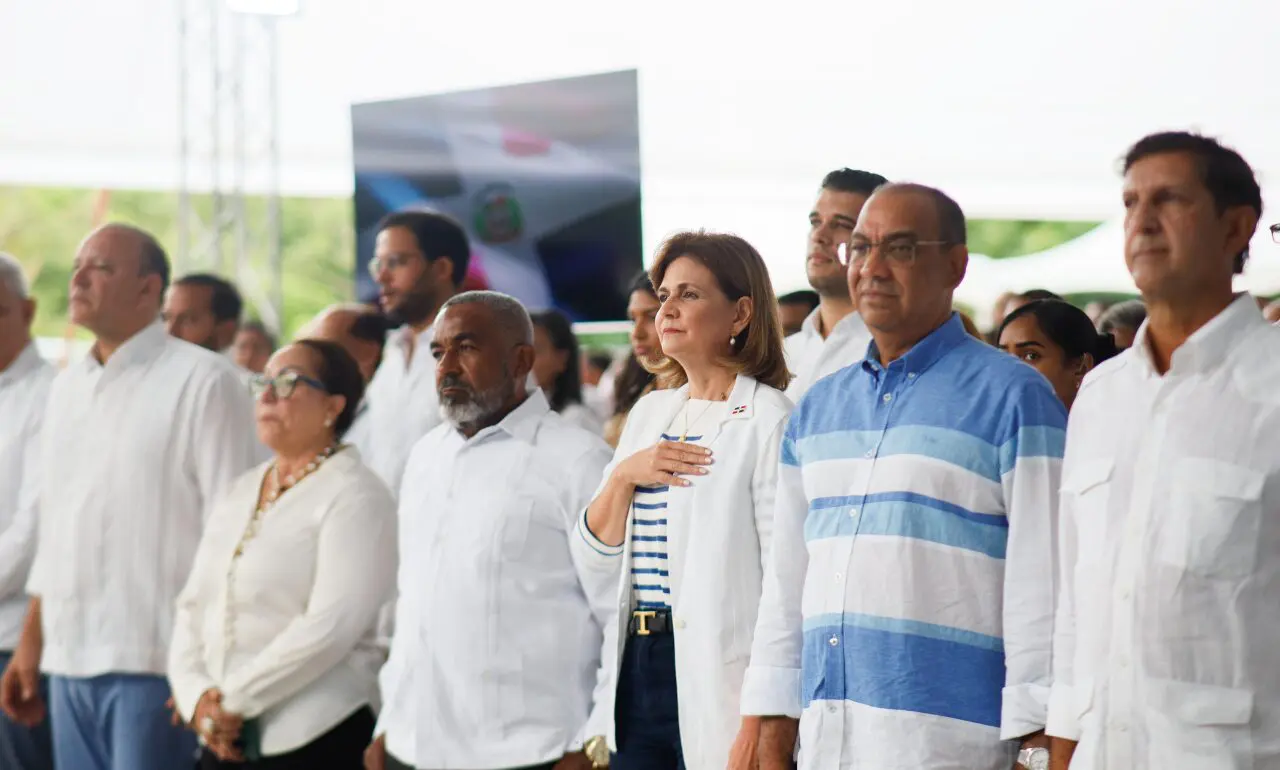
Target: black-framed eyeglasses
<point x="282" y="384"/>
<point x="1275" y="232"/>
<point x="898" y="251"/>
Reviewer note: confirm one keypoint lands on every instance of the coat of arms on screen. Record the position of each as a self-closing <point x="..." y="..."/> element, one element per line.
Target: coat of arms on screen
<point x="496" y="216"/>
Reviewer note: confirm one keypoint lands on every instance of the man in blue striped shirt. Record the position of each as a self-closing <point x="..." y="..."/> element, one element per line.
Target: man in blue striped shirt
<point x="907" y="614"/>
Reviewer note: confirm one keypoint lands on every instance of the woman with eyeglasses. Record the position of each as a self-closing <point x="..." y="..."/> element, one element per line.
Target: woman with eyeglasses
<point x="274" y="659"/>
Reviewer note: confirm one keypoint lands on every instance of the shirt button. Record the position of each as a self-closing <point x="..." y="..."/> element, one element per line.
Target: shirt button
<point x="680" y="623"/>
<point x="911" y="375"/>
<point x="853" y="513"/>
<point x="888" y="397"/>
<point x="838" y="576"/>
<point x="834" y="641"/>
<point x="871" y="453"/>
<point x="831" y="708"/>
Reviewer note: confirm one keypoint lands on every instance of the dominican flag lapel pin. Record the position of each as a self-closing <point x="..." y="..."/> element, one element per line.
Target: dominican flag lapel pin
<point x="737" y="410"/>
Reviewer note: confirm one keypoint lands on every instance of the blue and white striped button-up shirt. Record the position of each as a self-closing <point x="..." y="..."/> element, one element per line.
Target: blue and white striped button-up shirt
<point x="908" y="610"/>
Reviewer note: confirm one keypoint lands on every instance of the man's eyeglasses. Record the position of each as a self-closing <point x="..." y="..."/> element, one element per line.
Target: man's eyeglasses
<point x="1275" y="232"/>
<point x="898" y="251"/>
<point x="282" y="384"/>
<point x="388" y="262"/>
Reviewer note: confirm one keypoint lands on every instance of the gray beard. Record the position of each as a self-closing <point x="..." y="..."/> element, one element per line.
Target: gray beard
<point x="480" y="407"/>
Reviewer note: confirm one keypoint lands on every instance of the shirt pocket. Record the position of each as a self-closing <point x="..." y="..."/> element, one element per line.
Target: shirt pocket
<point x="1215" y="512"/>
<point x="1087" y="488"/>
<point x="1199" y="727"/>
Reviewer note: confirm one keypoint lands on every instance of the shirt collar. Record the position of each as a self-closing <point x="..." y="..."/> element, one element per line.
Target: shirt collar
<point x="26" y="362"/>
<point x="924" y="353"/>
<point x="139" y="347"/>
<point x="1208" y="346"/>
<point x="523" y="421"/>
<point x="405" y="336"/>
<point x="848" y="325"/>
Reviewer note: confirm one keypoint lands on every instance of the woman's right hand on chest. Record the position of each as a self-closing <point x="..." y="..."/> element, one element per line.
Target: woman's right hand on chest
<point x="664" y="463"/>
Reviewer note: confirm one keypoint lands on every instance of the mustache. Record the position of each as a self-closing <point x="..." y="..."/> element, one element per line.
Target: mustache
<point x="454" y="381"/>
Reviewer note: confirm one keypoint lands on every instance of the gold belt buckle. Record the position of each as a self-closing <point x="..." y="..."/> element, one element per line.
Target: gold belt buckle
<point x="642" y="628"/>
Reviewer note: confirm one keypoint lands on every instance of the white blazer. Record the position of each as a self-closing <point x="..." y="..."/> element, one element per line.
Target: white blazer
<point x="717" y="541"/>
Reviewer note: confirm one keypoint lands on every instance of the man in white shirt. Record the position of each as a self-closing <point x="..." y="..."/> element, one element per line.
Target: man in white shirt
<point x="139" y="439"/>
<point x="420" y="259"/>
<point x="362" y="331"/>
<point x="1167" y="633"/>
<point x="24" y="388"/>
<point x="204" y="310"/>
<point x="498" y="628"/>
<point x="833" y="336"/>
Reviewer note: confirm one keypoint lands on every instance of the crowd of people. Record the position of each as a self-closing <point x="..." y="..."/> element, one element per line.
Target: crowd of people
<point x="836" y="529"/>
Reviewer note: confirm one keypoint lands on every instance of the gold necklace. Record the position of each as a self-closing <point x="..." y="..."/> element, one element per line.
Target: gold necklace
<point x="278" y="489"/>
<point x="255" y="523"/>
<point x="710" y="402"/>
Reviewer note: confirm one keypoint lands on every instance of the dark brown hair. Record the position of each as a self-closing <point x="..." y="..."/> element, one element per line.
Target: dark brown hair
<point x="341" y="377"/>
<point x="740" y="272"/>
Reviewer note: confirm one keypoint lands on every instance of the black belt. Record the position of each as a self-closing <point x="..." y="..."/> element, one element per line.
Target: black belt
<point x="648" y="622"/>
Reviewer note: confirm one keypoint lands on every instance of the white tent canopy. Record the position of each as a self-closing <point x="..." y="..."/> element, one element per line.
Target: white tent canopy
<point x="1094" y="263"/>
<point x="1018" y="109"/>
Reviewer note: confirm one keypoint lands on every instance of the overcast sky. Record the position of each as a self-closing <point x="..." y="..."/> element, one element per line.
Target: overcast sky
<point x="1018" y="112"/>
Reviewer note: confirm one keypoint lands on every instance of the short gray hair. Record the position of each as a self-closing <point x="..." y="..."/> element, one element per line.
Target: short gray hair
<point x="12" y="277"/>
<point x="511" y="316"/>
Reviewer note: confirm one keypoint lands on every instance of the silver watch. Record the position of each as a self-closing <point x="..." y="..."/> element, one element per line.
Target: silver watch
<point x="1034" y="759"/>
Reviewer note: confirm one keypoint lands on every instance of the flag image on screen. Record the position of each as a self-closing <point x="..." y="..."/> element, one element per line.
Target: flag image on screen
<point x="544" y="177"/>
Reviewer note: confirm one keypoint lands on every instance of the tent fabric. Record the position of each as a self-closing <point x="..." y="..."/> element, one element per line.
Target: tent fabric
<point x="1094" y="263"/>
<point x="1016" y="109"/>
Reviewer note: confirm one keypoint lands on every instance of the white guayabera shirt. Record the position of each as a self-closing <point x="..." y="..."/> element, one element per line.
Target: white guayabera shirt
<point x="24" y="389"/>
<point x="1167" y="637"/>
<point x="498" y="625"/>
<point x="810" y="357"/>
<point x="135" y="453"/>
<point x="403" y="404"/>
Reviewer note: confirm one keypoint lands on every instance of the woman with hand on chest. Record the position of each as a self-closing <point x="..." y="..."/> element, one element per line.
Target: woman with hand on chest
<point x="274" y="659"/>
<point x="687" y="505"/>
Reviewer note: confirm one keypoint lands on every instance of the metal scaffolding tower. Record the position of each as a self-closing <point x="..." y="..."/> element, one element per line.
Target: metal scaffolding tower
<point x="229" y="184"/>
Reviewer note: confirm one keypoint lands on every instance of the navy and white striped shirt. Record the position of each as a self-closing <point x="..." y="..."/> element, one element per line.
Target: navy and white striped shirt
<point x="650" y="580"/>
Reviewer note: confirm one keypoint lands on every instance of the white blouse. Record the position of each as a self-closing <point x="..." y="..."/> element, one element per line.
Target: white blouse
<point x="288" y="630"/>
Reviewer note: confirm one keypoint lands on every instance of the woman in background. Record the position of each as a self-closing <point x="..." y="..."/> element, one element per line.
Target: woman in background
<point x="274" y="660"/>
<point x="558" y="371"/>
<point x="1059" y="340"/>
<point x="636" y="378"/>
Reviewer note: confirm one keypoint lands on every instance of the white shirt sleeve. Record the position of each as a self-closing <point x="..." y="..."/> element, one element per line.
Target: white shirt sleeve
<point x="226" y="438"/>
<point x="764" y="489"/>
<point x="1031" y="506"/>
<point x="188" y="676"/>
<point x="772" y="685"/>
<point x="599" y="579"/>
<point x="18" y="540"/>
<point x="1062" y="721"/>
<point x="355" y="573"/>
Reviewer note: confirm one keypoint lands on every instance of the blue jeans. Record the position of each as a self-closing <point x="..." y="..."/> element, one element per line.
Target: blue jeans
<point x="24" y="748"/>
<point x="116" y="722"/>
<point x="646" y="711"/>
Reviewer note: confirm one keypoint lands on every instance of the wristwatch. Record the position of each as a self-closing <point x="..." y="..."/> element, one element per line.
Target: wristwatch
<point x="1034" y="759"/>
<point x="597" y="750"/>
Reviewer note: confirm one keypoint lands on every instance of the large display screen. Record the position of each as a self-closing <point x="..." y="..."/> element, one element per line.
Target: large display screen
<point x="545" y="177"/>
